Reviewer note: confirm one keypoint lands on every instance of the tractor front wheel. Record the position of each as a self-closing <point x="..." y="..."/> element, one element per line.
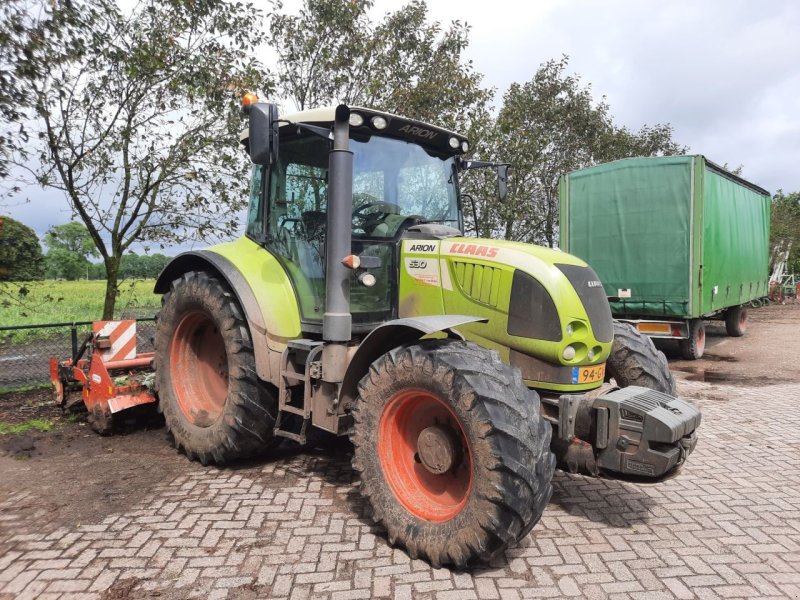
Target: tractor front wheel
<point x="214" y="405"/>
<point x="634" y="360"/>
<point x="453" y="454"/>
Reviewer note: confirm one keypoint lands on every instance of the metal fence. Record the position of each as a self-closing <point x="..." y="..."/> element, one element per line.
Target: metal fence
<point x="25" y="350"/>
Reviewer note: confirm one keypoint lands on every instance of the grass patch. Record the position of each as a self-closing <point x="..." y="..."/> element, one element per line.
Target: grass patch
<point x="32" y="424"/>
<point x="35" y="302"/>
<point x="20" y="389"/>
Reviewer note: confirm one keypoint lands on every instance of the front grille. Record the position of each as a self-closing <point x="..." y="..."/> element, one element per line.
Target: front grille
<point x="593" y="297"/>
<point x="479" y="282"/>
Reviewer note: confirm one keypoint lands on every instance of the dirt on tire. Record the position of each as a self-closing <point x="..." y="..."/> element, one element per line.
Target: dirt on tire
<point x="244" y="426"/>
<point x="506" y="438"/>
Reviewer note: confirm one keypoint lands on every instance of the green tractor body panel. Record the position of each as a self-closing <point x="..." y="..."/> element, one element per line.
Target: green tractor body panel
<point x="533" y="311"/>
<point x="528" y="322"/>
<point x="271" y="286"/>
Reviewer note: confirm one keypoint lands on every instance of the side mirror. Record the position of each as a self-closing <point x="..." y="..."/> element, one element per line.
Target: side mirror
<point x="502" y="182"/>
<point x="263" y="133"/>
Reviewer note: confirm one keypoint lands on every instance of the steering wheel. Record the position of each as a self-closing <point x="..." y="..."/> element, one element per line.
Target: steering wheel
<point x="388" y="208"/>
<point x="369" y="221"/>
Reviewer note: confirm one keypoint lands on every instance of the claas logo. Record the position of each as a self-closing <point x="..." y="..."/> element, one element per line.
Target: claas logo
<point x="474" y="250"/>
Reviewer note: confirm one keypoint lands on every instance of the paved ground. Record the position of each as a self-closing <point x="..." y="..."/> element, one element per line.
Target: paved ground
<point x="727" y="527"/>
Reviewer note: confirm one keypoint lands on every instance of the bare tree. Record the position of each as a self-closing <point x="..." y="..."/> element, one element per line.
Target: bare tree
<point x="141" y="132"/>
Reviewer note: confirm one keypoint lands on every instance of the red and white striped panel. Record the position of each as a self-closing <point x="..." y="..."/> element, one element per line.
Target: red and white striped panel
<point x="123" y="339"/>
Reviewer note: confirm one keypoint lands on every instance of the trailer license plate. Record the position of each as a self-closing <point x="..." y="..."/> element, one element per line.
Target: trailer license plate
<point x="588" y="374"/>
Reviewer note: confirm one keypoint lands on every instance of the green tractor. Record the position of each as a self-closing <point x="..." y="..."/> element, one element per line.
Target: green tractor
<point x="462" y="369"/>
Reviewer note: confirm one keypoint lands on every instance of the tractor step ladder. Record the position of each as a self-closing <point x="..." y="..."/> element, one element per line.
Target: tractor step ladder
<point x="299" y="365"/>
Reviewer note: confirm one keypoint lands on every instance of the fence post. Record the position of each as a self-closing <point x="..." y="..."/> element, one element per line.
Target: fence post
<point x="73" y="332"/>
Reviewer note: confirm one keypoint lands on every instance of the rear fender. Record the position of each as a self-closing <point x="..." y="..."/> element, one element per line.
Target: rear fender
<point x="390" y="335"/>
<point x="203" y="260"/>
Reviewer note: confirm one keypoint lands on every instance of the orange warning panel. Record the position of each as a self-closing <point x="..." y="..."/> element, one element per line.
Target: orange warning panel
<point x="121" y="339"/>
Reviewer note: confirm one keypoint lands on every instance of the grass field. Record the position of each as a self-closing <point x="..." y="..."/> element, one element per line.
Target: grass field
<point x="68" y="301"/>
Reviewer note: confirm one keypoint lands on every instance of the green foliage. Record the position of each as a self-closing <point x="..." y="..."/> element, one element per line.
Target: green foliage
<point x="71" y="237"/>
<point x="63" y="264"/>
<point x="785" y="227"/>
<point x="69" y="248"/>
<point x="334" y="51"/>
<point x="20" y="252"/>
<point x="137" y="129"/>
<point x="35" y="37"/>
<point x="142" y="265"/>
<point x="31" y="424"/>
<point x="546" y="127"/>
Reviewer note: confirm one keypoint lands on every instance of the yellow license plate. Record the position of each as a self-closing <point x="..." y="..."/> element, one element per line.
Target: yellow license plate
<point x="588" y="374"/>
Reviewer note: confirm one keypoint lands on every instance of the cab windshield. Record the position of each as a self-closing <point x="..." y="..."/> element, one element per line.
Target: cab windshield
<point x="396" y="184"/>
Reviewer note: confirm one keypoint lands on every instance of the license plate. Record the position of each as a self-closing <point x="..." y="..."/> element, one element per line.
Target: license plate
<point x="588" y="374"/>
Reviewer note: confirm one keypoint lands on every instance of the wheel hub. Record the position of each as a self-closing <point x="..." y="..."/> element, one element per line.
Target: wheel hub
<point x="437" y="449"/>
<point x="424" y="455"/>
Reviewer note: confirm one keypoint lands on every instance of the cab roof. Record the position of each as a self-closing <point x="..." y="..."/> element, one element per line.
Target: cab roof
<point x="396" y="126"/>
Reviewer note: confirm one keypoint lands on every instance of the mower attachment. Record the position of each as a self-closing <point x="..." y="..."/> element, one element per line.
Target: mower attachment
<point x="112" y="377"/>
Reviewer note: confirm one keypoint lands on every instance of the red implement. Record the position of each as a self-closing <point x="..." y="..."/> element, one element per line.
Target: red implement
<point x="112" y="376"/>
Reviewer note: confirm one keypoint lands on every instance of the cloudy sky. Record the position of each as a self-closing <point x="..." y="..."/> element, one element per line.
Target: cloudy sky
<point x="724" y="73"/>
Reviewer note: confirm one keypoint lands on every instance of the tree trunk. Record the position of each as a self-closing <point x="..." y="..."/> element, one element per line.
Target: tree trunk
<point x="112" y="279"/>
<point x="510" y="228"/>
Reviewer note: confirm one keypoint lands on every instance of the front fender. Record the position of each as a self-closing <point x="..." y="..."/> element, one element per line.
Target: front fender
<point x="390" y="335"/>
<point x="204" y="260"/>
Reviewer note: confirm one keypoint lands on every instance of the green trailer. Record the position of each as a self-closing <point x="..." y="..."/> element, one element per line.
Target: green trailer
<point x="674" y="240"/>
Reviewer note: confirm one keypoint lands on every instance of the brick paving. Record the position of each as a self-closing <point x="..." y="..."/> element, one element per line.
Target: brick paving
<point x="727" y="527"/>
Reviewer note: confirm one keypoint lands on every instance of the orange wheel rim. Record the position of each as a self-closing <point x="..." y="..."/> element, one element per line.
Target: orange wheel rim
<point x="199" y="369"/>
<point x="408" y="422"/>
<point x="743" y="320"/>
<point x="701" y="339"/>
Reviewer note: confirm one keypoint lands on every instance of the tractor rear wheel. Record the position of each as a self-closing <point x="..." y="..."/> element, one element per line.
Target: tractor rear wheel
<point x="214" y="405"/>
<point x="453" y="454"/>
<point x="634" y="360"/>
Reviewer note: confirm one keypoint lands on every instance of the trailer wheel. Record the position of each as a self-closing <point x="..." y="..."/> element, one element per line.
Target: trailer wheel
<point x="214" y="405"/>
<point x="634" y="360"/>
<point x="736" y="320"/>
<point x="693" y="347"/>
<point x="453" y="454"/>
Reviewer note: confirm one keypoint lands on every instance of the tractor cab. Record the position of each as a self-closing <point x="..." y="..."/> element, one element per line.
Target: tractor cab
<point x="404" y="176"/>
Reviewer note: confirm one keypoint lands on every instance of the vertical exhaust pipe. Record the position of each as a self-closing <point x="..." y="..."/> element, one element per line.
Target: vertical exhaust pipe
<point x="337" y="320"/>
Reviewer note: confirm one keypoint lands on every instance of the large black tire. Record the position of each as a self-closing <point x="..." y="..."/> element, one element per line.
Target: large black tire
<point x="634" y="360"/>
<point x="694" y="347"/>
<point x="736" y="320"/>
<point x="500" y="480"/>
<point x="214" y="404"/>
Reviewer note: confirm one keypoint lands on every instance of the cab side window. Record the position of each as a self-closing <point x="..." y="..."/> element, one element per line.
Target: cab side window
<point x="255" y="211"/>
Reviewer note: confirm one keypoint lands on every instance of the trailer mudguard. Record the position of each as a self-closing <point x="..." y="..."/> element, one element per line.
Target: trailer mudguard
<point x="390" y="335"/>
<point x="262" y="288"/>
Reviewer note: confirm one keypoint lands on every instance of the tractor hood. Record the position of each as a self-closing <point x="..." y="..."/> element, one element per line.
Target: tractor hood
<point x="546" y="310"/>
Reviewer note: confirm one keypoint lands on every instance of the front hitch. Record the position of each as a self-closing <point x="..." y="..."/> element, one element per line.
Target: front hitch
<point x="633" y="431"/>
